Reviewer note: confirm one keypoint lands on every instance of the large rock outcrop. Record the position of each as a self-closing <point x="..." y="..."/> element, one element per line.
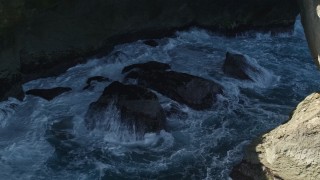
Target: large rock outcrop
<point x="289" y="152"/>
<point x="310" y="17"/>
<point x="44" y="38"/>
<point x="193" y="91"/>
<point x="139" y="109"/>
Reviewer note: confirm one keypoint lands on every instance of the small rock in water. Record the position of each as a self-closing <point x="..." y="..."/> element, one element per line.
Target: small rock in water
<point x="151" y="43"/>
<point x="139" y="108"/>
<point x="95" y="79"/>
<point x="48" y="94"/>
<point x="237" y="66"/>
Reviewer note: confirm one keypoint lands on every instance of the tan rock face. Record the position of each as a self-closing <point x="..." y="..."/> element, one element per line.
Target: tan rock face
<point x="310" y="16"/>
<point x="292" y="151"/>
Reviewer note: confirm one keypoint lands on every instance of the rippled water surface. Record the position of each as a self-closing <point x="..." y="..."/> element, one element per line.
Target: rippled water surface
<point x="42" y="139"/>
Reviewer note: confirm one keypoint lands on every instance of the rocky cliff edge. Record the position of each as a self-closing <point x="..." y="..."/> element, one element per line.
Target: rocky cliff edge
<point x="289" y="152"/>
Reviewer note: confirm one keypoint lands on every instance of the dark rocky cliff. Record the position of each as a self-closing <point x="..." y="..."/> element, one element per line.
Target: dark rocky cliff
<point x="44" y="38"/>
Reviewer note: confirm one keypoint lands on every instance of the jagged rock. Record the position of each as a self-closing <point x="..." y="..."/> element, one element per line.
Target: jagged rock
<point x="196" y="92"/>
<point x="48" y="94"/>
<point x="95" y="79"/>
<point x="291" y="151"/>
<point x="138" y="107"/>
<point x="151" y="43"/>
<point x="237" y="66"/>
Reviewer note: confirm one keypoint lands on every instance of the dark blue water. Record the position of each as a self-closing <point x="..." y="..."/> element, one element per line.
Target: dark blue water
<point x="204" y="146"/>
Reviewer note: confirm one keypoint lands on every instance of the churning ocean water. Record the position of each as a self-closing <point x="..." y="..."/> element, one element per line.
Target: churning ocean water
<point x="42" y="139"/>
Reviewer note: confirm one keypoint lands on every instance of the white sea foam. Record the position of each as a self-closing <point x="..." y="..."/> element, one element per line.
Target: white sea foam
<point x="298" y="28"/>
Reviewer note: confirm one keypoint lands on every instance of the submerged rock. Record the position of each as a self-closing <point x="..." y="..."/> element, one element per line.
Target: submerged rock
<point x="237" y="66"/>
<point x="151" y="43"/>
<point x="61" y="129"/>
<point x="48" y="94"/>
<point x="139" y="108"/>
<point x="117" y="57"/>
<point x="196" y="92"/>
<point x="174" y="110"/>
<point x="59" y="135"/>
<point x="291" y="151"/>
<point x="95" y="79"/>
<point x="148" y="66"/>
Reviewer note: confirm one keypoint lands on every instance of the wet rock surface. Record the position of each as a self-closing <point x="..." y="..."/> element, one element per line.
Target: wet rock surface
<point x="237" y="66"/>
<point x="48" y="94"/>
<point x="196" y="92"/>
<point x="139" y="108"/>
